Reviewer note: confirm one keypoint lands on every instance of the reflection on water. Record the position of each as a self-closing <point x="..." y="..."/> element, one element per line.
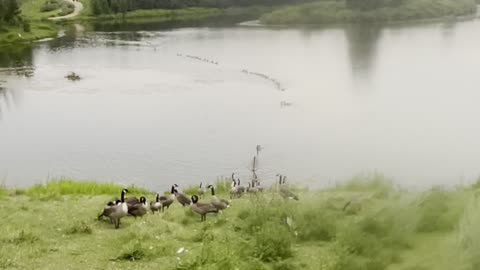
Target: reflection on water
<point x="16" y="56"/>
<point x="362" y="48"/>
<point x="8" y="99"/>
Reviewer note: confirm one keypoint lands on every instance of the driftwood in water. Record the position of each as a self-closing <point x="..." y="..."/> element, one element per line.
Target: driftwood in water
<point x="72" y="76"/>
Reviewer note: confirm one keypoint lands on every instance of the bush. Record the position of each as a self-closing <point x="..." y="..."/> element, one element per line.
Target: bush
<point x="270" y="247"/>
<point x="26" y="26"/>
<point x="50" y="5"/>
<point x="435" y="212"/>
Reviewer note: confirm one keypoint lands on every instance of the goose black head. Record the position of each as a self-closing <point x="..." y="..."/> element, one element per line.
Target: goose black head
<point x="117" y="201"/>
<point x="175" y="185"/>
<point x="124" y="191"/>
<point x="143" y="200"/>
<point x="238" y="181"/>
<point x="157" y="198"/>
<point x="194" y="198"/>
<point x="110" y="203"/>
<point x="209" y="186"/>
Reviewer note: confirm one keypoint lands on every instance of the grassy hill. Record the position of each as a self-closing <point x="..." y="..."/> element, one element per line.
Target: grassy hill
<point x="365" y="224"/>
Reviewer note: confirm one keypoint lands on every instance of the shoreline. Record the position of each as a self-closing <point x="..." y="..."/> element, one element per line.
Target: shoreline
<point x="193" y="14"/>
<point x="444" y="19"/>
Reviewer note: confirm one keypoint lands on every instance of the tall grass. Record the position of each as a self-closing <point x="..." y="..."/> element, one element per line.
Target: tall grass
<point x="70" y="187"/>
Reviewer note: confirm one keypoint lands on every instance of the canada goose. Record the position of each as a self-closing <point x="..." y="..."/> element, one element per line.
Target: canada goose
<point x="106" y="209"/>
<point x="220" y="204"/>
<point x="202" y="208"/>
<point x="252" y="188"/>
<point x="132" y="200"/>
<point x="156" y="205"/>
<point x="167" y="201"/>
<point x="201" y="190"/>
<point x="260" y="188"/>
<point x="117" y="211"/>
<point x="139" y="209"/>
<point x="233" y="187"/>
<point x="240" y="189"/>
<point x="181" y="198"/>
<point x="285" y="192"/>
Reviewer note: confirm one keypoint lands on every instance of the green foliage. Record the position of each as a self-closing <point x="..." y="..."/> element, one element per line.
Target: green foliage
<point x="271" y="247"/>
<point x="118" y="6"/>
<point x="9" y="12"/>
<point x="134" y="251"/>
<point x="66" y="8"/>
<point x="26" y="26"/>
<point x="329" y="11"/>
<point x="50" y="5"/>
<point x="436" y="213"/>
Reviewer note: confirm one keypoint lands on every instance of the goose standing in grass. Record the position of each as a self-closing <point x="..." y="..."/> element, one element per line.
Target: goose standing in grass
<point x="181" y="198"/>
<point x="119" y="210"/>
<point x="260" y="188"/>
<point x="167" y="201"/>
<point x="201" y="190"/>
<point x="252" y="189"/>
<point x="233" y="188"/>
<point x="202" y="208"/>
<point x="139" y="209"/>
<point x="106" y="210"/>
<point x="285" y="192"/>
<point x="220" y="204"/>
<point x="132" y="200"/>
<point x="156" y="205"/>
<point x="240" y="188"/>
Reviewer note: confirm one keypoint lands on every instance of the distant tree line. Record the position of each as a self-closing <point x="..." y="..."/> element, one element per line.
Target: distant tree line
<point x="366" y="5"/>
<point x="122" y="6"/>
<point x="9" y="11"/>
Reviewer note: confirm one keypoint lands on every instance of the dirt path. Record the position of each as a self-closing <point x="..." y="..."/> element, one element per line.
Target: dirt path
<point x="78" y="8"/>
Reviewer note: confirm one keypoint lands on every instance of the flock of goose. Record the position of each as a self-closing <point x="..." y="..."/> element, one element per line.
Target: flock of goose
<point x="138" y="207"/>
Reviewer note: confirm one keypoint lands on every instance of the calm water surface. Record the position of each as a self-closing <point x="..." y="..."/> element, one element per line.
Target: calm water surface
<point x="400" y="100"/>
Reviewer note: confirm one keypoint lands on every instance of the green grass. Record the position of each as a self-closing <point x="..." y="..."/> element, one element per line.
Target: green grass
<point x="328" y="11"/>
<point x="39" y="30"/>
<point x="54" y="226"/>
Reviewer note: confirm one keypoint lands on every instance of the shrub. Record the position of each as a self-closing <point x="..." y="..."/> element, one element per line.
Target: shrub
<point x="26" y="26"/>
<point x="81" y="228"/>
<point x="270" y="247"/>
<point x="435" y="212"/>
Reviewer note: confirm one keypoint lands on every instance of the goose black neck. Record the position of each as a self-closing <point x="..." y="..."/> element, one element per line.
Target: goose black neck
<point x="158" y="198"/>
<point x="172" y="190"/>
<point x="213" y="191"/>
<point x="123" y="197"/>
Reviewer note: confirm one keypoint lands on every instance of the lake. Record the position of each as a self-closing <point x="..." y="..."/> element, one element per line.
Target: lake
<point x="162" y="104"/>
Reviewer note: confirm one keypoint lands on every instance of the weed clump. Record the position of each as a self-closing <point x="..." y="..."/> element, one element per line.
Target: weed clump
<point x="436" y="213"/>
<point x="82" y="228"/>
<point x="23" y="237"/>
<point x="134" y="251"/>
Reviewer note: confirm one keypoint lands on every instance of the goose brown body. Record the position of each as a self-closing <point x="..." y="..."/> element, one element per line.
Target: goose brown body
<point x="202" y="208"/>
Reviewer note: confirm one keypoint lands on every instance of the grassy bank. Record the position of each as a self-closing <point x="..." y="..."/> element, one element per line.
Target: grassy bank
<point x="337" y="12"/>
<point x="186" y="14"/>
<point x="16" y="34"/>
<point x="55" y="227"/>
